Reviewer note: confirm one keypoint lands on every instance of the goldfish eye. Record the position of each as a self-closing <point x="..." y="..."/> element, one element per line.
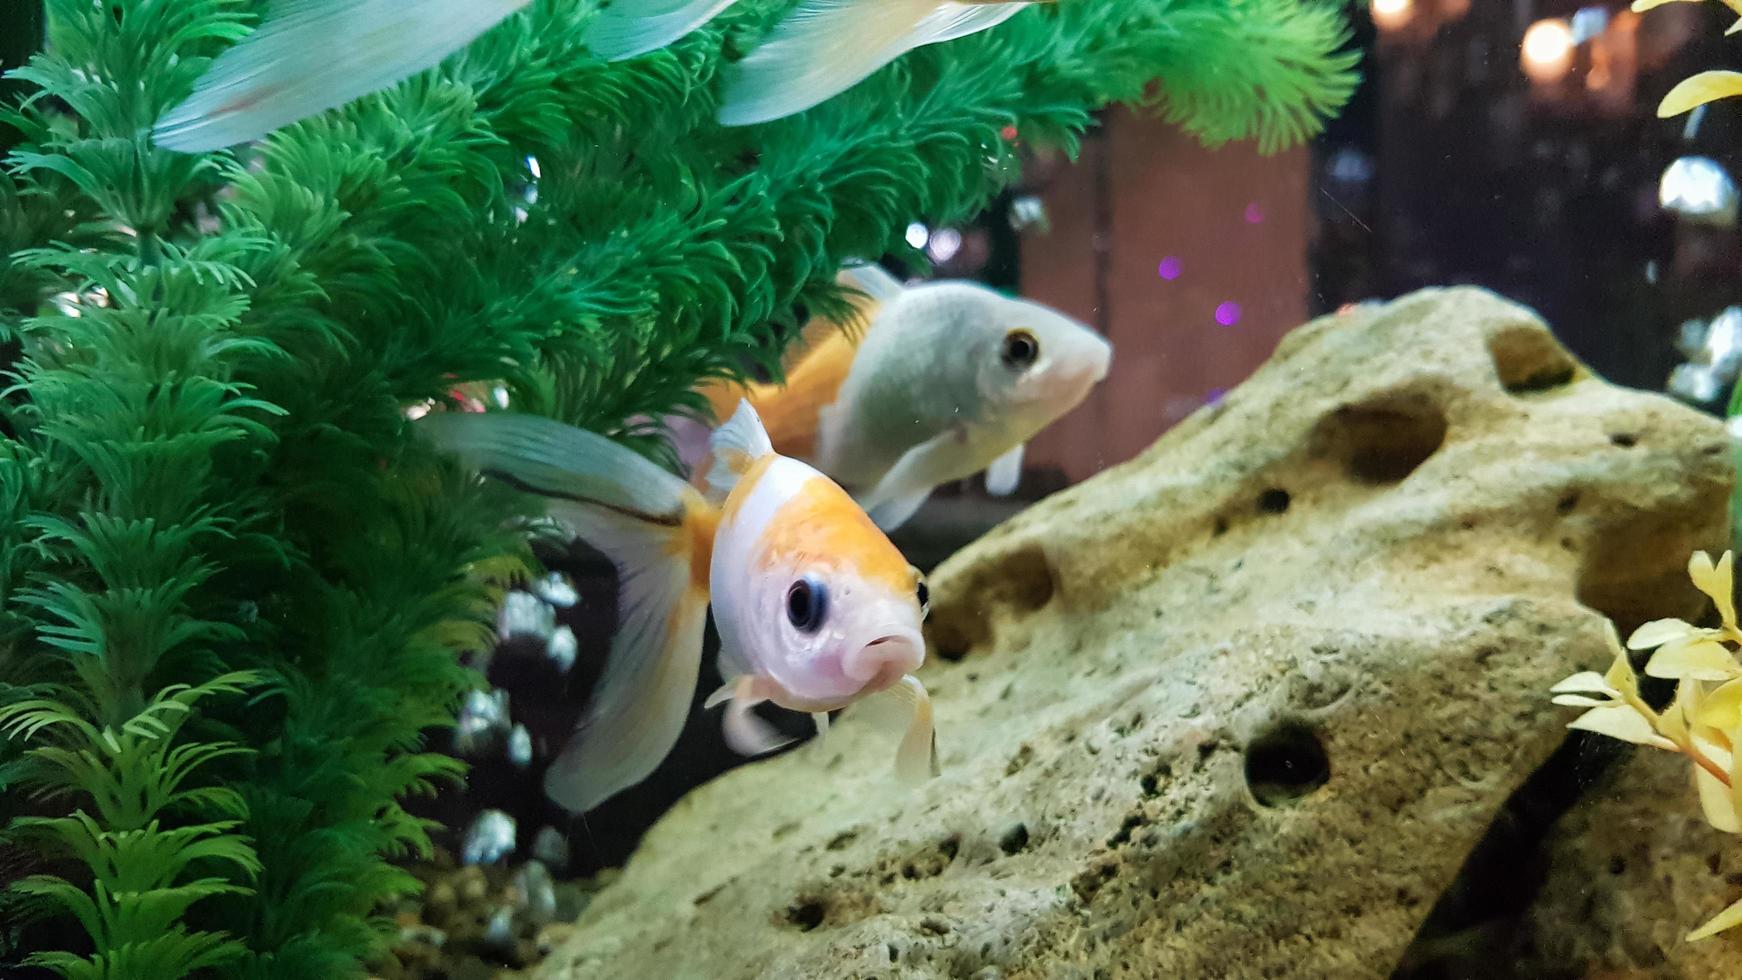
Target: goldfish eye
<point x="1021" y="350"/>
<point x="807" y="604"/>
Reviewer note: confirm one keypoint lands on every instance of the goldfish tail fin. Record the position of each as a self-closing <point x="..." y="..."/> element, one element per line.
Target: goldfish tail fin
<point x="643" y="697"/>
<point x="827" y="46"/>
<point x="639" y="515"/>
<point x="735" y="447"/>
<point x="626" y="29"/>
<point x="312" y="55"/>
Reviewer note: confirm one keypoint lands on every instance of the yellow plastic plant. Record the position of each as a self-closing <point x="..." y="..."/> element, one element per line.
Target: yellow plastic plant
<point x="1704" y="722"/>
<point x="1707" y="86"/>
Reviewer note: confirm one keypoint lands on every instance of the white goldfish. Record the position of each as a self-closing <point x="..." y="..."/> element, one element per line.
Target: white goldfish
<point x="815" y="608"/>
<point x="313" y="55"/>
<point x="947" y="379"/>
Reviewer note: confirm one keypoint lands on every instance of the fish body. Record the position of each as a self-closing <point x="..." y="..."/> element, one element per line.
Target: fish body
<point x="946" y="380"/>
<point x="308" y="56"/>
<point x="816" y="609"/>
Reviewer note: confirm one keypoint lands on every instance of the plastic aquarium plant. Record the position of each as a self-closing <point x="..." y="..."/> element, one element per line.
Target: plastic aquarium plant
<point x="1703" y="722"/>
<point x="233" y="587"/>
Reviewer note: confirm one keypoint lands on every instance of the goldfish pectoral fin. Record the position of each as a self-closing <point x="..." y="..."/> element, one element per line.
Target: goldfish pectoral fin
<point x="734" y="447"/>
<point x="721" y="696"/>
<point x="315" y="55"/>
<point x="821" y="720"/>
<point x="895" y="512"/>
<point x="747" y="733"/>
<point x="911" y="480"/>
<point x="917" y="758"/>
<point x="628" y="28"/>
<point x="825" y="47"/>
<point x="1005" y="473"/>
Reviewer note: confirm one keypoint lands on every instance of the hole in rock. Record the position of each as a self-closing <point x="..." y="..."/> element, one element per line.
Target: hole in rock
<point x="806" y="915"/>
<point x="1383" y="440"/>
<point x="1285" y="765"/>
<point x="1015" y="840"/>
<point x="1637" y="571"/>
<point x="1529" y="360"/>
<point x="1028" y="579"/>
<point x="1273" y="501"/>
<point x="1021" y="581"/>
<point x="1626" y="440"/>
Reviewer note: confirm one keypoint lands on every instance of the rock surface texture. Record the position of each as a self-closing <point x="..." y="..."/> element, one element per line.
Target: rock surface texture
<point x="1241" y="707"/>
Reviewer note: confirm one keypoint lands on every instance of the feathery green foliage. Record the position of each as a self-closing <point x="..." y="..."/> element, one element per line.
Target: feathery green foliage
<point x="232" y="586"/>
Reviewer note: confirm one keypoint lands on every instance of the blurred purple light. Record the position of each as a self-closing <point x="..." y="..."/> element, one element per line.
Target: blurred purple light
<point x="1228" y="314"/>
<point x="1254" y="214"/>
<point x="1169" y="268"/>
<point x="1215" y="395"/>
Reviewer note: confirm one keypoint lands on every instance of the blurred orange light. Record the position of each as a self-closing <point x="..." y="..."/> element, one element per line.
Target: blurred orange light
<point x="1547" y="52"/>
<point x="1389" y="15"/>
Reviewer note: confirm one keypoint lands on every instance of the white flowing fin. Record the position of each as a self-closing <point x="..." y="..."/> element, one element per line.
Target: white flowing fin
<point x="871" y="279"/>
<point x="827" y="46"/>
<point x="917" y="759"/>
<point x="736" y="447"/>
<point x="639" y="706"/>
<point x="896" y="511"/>
<point x="1005" y="473"/>
<point x="958" y="20"/>
<point x="546" y="457"/>
<point x="309" y="56"/>
<point x="642" y="518"/>
<point x="629" y="28"/>
<point x="745" y="732"/>
<point x="911" y="480"/>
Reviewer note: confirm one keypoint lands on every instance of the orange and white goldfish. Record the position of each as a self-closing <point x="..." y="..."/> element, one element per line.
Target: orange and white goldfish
<point x="313" y="55"/>
<point x="816" y="609"/>
<point x="946" y="379"/>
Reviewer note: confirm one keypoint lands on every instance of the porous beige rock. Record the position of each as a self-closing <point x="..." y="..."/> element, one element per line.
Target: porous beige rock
<point x="1237" y="708"/>
<point x="1630" y="870"/>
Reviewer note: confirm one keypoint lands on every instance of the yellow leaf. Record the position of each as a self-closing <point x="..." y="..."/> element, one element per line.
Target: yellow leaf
<point x="1581" y="701"/>
<point x="1715" y="802"/>
<point x="1585" y="682"/>
<point x="1715" y="581"/>
<point x="1622" y="722"/>
<point x="1699" y="660"/>
<point x="1621" y="677"/>
<point x="1733" y="28"/>
<point x="1660" y="631"/>
<point x="1722" y="709"/>
<point x="1727" y="919"/>
<point x="1707" y="86"/>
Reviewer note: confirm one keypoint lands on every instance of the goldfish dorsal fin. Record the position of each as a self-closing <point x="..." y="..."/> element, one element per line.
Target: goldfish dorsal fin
<point x="872" y="280"/>
<point x="736" y="446"/>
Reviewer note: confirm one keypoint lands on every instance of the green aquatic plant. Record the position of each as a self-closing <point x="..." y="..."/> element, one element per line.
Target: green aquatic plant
<point x="233" y="587"/>
<point x="1703" y="722"/>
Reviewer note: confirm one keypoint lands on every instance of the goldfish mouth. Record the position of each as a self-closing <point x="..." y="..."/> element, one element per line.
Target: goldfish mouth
<point x="879" y="664"/>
